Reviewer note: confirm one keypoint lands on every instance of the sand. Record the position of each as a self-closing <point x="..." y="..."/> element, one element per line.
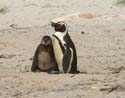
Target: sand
<point x="98" y="34"/>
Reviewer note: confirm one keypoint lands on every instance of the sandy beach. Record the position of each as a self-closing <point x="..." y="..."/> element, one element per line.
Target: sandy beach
<point x="98" y="34"/>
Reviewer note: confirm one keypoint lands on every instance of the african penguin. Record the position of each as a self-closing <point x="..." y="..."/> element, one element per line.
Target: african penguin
<point x="64" y="49"/>
<point x="44" y="59"/>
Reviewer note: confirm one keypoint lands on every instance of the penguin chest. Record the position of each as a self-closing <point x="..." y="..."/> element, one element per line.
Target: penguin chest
<point x="44" y="59"/>
<point x="58" y="53"/>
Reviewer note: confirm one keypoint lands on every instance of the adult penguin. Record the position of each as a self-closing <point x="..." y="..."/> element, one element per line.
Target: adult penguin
<point x="64" y="49"/>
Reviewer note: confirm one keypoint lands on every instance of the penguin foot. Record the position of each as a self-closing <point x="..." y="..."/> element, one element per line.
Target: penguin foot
<point x="53" y="72"/>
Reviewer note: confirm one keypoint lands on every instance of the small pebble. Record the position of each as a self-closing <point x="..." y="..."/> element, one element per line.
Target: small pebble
<point x="82" y="32"/>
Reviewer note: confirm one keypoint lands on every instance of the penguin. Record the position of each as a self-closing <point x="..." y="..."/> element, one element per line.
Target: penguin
<point x="44" y="59"/>
<point x="64" y="49"/>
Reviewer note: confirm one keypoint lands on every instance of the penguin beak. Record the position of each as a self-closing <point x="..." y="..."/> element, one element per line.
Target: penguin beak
<point x="53" y="24"/>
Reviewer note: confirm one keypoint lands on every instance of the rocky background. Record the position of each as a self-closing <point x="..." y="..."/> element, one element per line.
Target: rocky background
<point x="98" y="34"/>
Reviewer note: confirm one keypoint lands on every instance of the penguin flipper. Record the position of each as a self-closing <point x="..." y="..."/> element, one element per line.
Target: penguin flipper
<point x="34" y="66"/>
<point x="66" y="60"/>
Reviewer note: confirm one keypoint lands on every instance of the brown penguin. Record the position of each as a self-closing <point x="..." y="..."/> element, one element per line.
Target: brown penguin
<point x="44" y="59"/>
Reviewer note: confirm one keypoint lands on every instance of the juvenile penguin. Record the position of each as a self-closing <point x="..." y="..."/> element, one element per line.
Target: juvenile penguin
<point x="64" y="49"/>
<point x="44" y="59"/>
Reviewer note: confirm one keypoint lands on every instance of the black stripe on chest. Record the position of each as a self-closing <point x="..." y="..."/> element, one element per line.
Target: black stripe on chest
<point x="62" y="47"/>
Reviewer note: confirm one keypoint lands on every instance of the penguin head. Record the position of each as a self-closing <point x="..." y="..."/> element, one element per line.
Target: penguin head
<point x="46" y="41"/>
<point x="59" y="26"/>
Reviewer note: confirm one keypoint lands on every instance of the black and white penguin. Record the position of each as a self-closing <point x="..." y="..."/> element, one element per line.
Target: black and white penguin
<point x="64" y="49"/>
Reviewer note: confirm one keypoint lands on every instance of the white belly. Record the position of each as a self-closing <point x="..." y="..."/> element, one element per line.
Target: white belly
<point x="58" y="53"/>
